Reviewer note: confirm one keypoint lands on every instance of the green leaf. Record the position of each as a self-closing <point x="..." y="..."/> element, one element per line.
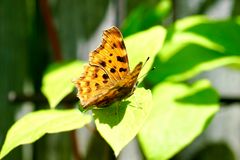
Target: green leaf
<point x="34" y="125"/>
<point x="145" y="16"/>
<point x="145" y="44"/>
<point x="119" y="125"/>
<point x="57" y="81"/>
<point x="194" y="45"/>
<point x="180" y="113"/>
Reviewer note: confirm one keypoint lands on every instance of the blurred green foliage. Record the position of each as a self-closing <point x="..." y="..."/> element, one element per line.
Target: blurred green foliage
<point x="219" y="151"/>
<point x="146" y="16"/>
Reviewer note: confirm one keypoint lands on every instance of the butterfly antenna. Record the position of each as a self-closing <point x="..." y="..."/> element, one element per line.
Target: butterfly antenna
<point x="148" y="71"/>
<point x="145" y="74"/>
<point x="145" y="61"/>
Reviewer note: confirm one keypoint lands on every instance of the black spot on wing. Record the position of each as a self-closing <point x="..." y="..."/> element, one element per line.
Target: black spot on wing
<point x="87" y="83"/>
<point x="114" y="45"/>
<point x="101" y="47"/>
<point x="97" y="85"/>
<point x="103" y="64"/>
<point x="112" y="70"/>
<point x="105" y="81"/>
<point x="122" y="69"/>
<point x="122" y="45"/>
<point x="122" y="59"/>
<point x="94" y="75"/>
<point x="105" y="76"/>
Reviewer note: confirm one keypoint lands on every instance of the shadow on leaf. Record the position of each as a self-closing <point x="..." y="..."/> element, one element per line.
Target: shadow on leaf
<point x="111" y="115"/>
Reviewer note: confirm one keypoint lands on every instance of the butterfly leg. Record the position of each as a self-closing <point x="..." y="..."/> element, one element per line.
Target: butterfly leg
<point x="117" y="108"/>
<point x="135" y="105"/>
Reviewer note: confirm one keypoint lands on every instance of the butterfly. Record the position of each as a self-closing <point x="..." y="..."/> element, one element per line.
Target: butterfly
<point x="107" y="78"/>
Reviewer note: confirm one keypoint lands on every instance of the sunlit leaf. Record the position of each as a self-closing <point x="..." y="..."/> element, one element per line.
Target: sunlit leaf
<point x="194" y="45"/>
<point x="57" y="81"/>
<point x="145" y="44"/>
<point x="180" y="113"/>
<point x="34" y="125"/>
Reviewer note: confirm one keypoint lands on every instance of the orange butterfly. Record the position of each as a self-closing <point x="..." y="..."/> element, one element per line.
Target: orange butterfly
<point x="107" y="78"/>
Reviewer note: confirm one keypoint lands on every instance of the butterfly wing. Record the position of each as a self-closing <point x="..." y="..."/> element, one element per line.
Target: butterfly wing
<point x="123" y="89"/>
<point x="92" y="84"/>
<point x="128" y="84"/>
<point x="107" y="78"/>
<point x="111" y="55"/>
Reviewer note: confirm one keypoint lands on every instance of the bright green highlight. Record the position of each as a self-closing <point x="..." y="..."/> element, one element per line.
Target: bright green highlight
<point x="58" y="80"/>
<point x="194" y="45"/>
<point x="145" y="44"/>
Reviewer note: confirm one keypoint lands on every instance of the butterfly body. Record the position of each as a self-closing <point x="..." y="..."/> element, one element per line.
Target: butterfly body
<point x="107" y="78"/>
